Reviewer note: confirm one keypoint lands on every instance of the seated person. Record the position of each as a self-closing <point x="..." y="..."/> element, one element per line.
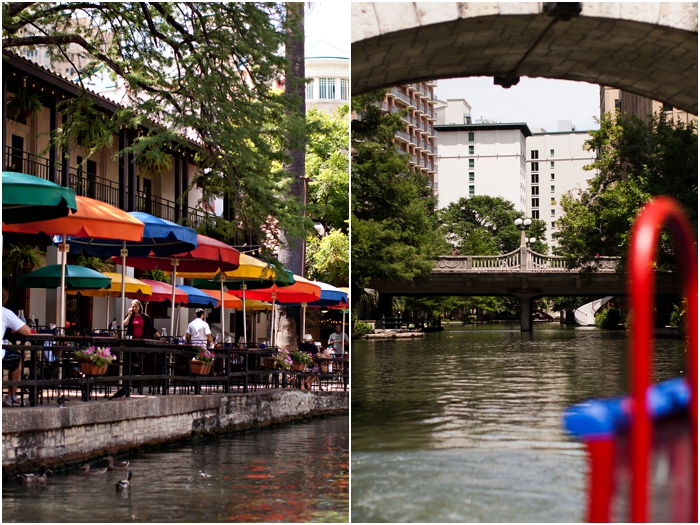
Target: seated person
<point x="308" y="346"/>
<point x="14" y="324"/>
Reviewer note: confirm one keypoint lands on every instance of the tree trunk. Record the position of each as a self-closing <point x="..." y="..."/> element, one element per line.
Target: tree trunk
<point x="292" y="251"/>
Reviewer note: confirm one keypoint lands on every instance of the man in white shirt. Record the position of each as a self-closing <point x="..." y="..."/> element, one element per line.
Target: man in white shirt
<point x="12" y="322"/>
<point x="198" y="331"/>
<point x="337" y="340"/>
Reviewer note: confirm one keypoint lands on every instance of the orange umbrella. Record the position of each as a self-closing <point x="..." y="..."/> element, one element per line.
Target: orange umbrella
<point x="93" y="219"/>
<point x="229" y="300"/>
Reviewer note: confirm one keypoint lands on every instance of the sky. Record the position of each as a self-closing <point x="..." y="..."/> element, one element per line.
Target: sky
<point x="329" y="21"/>
<point x="539" y="102"/>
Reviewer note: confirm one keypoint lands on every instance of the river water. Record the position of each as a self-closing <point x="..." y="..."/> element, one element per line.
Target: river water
<point x="291" y="473"/>
<point x="465" y="425"/>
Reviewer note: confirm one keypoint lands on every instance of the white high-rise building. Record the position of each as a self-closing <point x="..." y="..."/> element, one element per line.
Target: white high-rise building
<point x="328" y="70"/>
<point x="479" y="159"/>
<point x="530" y="168"/>
<point x="555" y="166"/>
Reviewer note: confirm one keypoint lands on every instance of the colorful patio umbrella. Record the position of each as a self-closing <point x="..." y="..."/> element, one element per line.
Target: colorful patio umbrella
<point x="251" y="274"/>
<point x="197" y="297"/>
<point x="160" y="292"/>
<point x="131" y="287"/>
<point x="210" y="255"/>
<point x="29" y="198"/>
<point x="330" y="296"/>
<point x="229" y="300"/>
<point x="302" y="291"/>
<point x="160" y="237"/>
<point x="92" y="219"/>
<point x="76" y="277"/>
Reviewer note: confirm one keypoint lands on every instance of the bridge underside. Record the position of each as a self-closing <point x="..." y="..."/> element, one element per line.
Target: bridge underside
<point x="523" y="285"/>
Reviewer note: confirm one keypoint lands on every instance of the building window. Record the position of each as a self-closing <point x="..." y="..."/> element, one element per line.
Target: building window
<point x="551" y="153"/>
<point x="471" y="190"/>
<point x="344" y="89"/>
<point x="553" y="201"/>
<point x="551" y="164"/>
<point x="471" y="136"/>
<point x="535" y="166"/>
<point x="310" y="90"/>
<point x="326" y="88"/>
<point x="535" y="178"/>
<point x="535" y="203"/>
<point x="617" y="103"/>
<point x="471" y="150"/>
<point x="535" y="190"/>
<point x="471" y="176"/>
<point x="553" y="224"/>
<point x="552" y="213"/>
<point x="551" y="175"/>
<point x="535" y="214"/>
<point x="471" y="163"/>
<point x="551" y="189"/>
<point x="535" y="154"/>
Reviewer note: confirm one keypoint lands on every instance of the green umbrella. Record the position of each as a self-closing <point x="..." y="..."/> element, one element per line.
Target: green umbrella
<point x="77" y="277"/>
<point x="26" y="198"/>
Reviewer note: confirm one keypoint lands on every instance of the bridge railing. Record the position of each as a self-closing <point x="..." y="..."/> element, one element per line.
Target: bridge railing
<point x="514" y="262"/>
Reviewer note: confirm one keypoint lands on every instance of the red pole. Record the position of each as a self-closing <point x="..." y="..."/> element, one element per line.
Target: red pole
<point x="601" y="454"/>
<point x="645" y="237"/>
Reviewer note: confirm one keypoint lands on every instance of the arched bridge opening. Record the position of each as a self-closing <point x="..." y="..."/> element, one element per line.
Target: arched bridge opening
<point x="645" y="48"/>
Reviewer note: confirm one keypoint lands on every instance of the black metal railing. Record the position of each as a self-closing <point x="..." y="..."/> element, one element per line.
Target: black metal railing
<point x="98" y="188"/>
<point x="50" y="369"/>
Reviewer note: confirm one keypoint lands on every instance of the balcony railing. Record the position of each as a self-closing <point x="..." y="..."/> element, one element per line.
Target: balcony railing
<point x="398" y="94"/>
<point x="98" y="188"/>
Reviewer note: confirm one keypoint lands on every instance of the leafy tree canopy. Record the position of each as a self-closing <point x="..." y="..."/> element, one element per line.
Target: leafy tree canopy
<point x="484" y="225"/>
<point x="328" y="258"/>
<point x="637" y="160"/>
<point x="196" y="70"/>
<point x="394" y="228"/>
<point x="327" y="167"/>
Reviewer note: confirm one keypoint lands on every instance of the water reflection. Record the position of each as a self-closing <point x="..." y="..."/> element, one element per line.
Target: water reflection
<point x="291" y="473"/>
<point x="465" y="425"/>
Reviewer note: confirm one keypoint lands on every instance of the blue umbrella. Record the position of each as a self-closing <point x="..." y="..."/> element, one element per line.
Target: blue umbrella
<point x="160" y="237"/>
<point x="330" y="296"/>
<point x="196" y="297"/>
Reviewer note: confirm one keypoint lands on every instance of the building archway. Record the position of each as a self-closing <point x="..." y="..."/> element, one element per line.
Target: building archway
<point x="649" y="49"/>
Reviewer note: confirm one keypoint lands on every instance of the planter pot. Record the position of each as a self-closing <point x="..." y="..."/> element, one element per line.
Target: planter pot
<point x="270" y="363"/>
<point x="298" y="366"/>
<point x="91" y="369"/>
<point x="200" y="367"/>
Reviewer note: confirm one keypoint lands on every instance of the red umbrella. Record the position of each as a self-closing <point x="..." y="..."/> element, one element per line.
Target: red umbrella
<point x="210" y="255"/>
<point x="160" y="292"/>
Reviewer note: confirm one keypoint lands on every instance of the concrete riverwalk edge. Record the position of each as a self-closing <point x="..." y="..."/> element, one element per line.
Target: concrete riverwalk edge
<point x="54" y="436"/>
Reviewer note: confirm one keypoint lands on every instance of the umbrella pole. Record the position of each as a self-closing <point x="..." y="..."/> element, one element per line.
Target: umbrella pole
<point x="222" y="278"/>
<point x="245" y="330"/>
<point x="178" y="321"/>
<point x="172" y="302"/>
<point x="62" y="301"/>
<point x="303" y="320"/>
<point x="107" y="320"/>
<point x="342" y="340"/>
<point x="123" y="253"/>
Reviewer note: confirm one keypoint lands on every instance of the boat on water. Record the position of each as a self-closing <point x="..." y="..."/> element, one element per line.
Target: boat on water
<point x="585" y="315"/>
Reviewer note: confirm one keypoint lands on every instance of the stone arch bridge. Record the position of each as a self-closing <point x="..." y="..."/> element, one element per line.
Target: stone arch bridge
<point x="522" y="273"/>
<point x="647" y="48"/>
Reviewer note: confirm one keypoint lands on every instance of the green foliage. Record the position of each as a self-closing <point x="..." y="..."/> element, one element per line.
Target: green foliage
<point x="608" y="318"/>
<point x="200" y="70"/>
<point x="303" y="358"/>
<point x="85" y="125"/>
<point x="360" y="329"/>
<point x="484" y="225"/>
<point x="152" y="159"/>
<point x="327" y="258"/>
<point x="23" y="104"/>
<point x="678" y="313"/>
<point x="637" y="159"/>
<point x="20" y="259"/>
<point x="437" y="305"/>
<point x="156" y="275"/>
<point x="394" y="229"/>
<point x="94" y="263"/>
<point x="327" y="162"/>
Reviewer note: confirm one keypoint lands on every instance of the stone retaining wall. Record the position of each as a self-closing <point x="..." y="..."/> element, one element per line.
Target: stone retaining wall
<point x="53" y="436"/>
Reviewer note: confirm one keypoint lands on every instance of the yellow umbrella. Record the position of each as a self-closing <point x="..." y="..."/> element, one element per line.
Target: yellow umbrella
<point x="131" y="287"/>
